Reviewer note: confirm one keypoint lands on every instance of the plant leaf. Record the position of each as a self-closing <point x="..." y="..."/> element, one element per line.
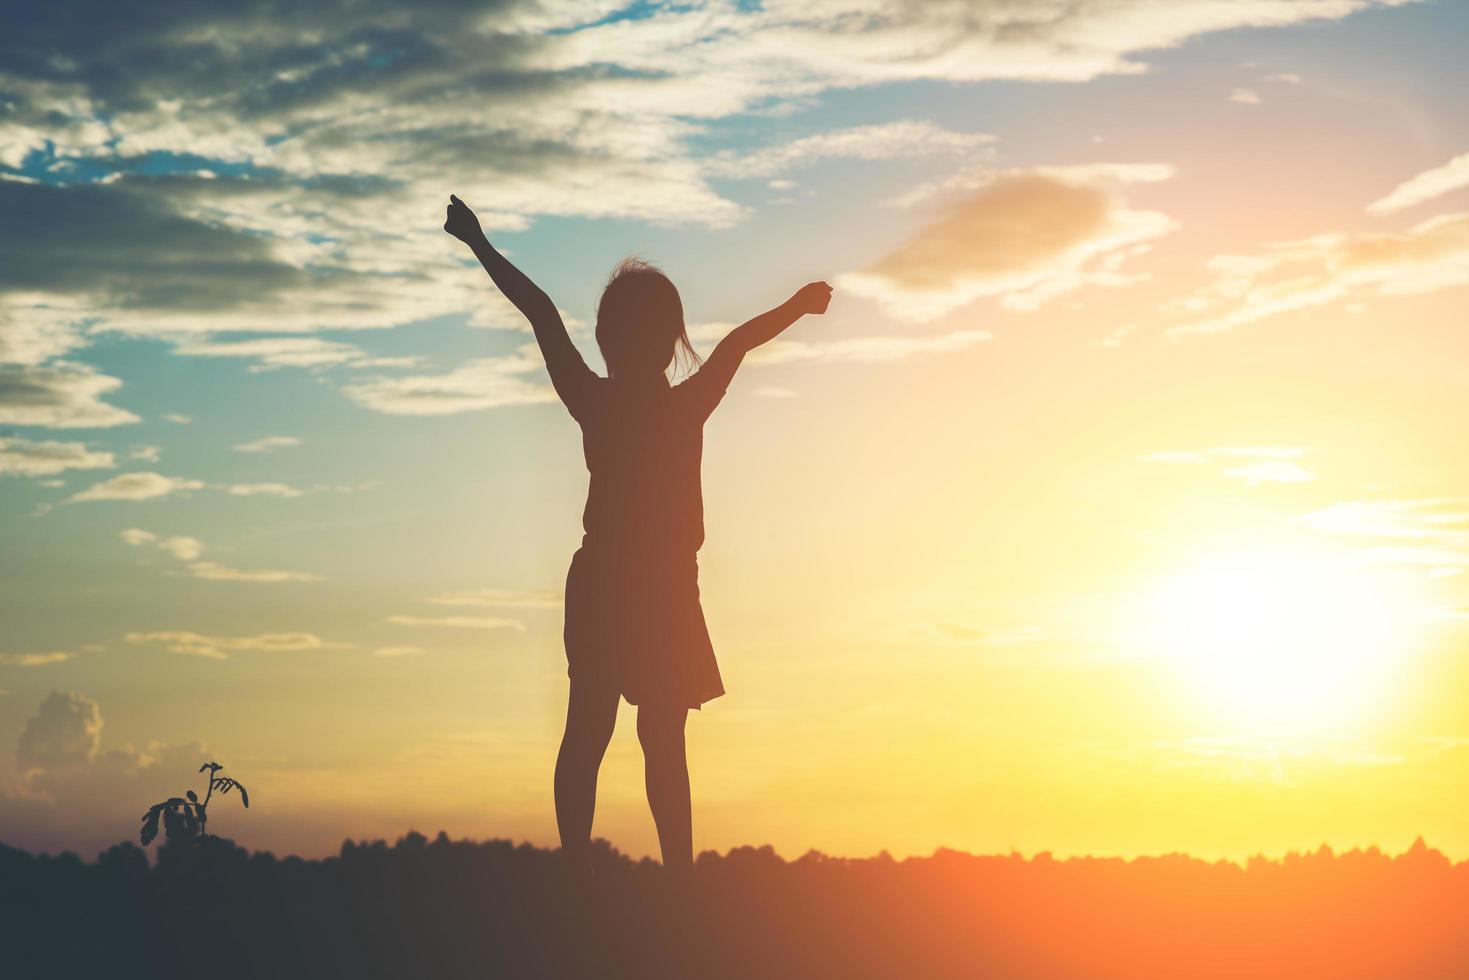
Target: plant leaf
<point x="192" y="797"/>
<point x="150" y="824"/>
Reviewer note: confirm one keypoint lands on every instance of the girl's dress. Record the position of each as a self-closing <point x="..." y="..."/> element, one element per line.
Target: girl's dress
<point x="633" y="618"/>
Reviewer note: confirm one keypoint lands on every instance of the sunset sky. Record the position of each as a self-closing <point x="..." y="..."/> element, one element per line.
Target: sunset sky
<point x="1120" y="503"/>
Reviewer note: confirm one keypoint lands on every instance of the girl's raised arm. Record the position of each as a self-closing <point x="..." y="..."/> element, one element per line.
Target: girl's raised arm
<point x="570" y="375"/>
<point x="730" y="352"/>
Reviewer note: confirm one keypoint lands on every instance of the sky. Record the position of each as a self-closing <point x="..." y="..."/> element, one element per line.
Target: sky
<point x="1118" y="505"/>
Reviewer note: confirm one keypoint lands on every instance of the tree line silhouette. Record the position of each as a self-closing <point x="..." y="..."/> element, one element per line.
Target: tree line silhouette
<point x="495" y="909"/>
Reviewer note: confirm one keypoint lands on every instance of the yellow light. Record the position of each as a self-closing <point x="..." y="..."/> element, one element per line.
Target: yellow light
<point x="1285" y="639"/>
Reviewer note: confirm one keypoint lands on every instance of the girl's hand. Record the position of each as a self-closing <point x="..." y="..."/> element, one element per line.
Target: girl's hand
<point x="812" y="298"/>
<point x="460" y="222"/>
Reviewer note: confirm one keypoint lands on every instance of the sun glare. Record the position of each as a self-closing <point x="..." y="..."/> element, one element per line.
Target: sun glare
<point x="1286" y="639"/>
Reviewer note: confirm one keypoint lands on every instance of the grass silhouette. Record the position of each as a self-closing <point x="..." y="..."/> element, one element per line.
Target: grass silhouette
<point x="494" y="909"/>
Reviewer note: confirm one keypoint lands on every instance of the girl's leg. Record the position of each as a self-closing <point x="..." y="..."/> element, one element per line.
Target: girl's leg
<point x="666" y="772"/>
<point x="591" y="713"/>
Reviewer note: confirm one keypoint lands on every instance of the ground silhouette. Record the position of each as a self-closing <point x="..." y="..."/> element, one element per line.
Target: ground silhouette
<point x="463" y="909"/>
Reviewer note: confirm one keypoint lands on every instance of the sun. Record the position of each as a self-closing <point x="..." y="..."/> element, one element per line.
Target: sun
<point x="1286" y="639"/>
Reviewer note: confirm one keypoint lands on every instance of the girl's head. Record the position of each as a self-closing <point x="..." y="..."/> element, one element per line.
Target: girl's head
<point x="640" y="324"/>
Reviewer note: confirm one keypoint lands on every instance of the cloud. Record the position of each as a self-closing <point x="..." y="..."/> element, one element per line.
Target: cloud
<point x="494" y="598"/>
<point x="129" y="249"/>
<point x="188" y="550"/>
<point x="484" y="383"/>
<point x="963" y="635"/>
<point x="459" y="622"/>
<point x="1115" y="338"/>
<point x="885" y="141"/>
<point x="1330" y="268"/>
<point x="181" y="547"/>
<point x="1285" y="77"/>
<point x="37" y="332"/>
<point x="59" y="396"/>
<point x="308" y="151"/>
<point x="1425" y="186"/>
<point x="1245" y="96"/>
<point x="399" y="652"/>
<point x="1265" y="464"/>
<point x="34" y="659"/>
<point x="1025" y="237"/>
<point x="866" y="350"/>
<point x="136" y="486"/>
<point x="301" y="352"/>
<point x="848" y="350"/>
<point x="220" y="647"/>
<point x="146" y="454"/>
<point x="1270" y="471"/>
<point x="1432" y="532"/>
<point x="221" y="573"/>
<point x="65" y="731"/>
<point x="977" y="178"/>
<point x="25" y="458"/>
<point x="72" y="792"/>
<point x="177" y="419"/>
<point x="266" y="444"/>
<point x="262" y="490"/>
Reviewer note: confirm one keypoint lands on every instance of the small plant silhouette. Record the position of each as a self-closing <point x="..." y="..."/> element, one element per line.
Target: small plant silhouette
<point x="186" y="818"/>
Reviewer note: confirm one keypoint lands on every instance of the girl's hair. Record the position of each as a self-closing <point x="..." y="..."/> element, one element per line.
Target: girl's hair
<point x="640" y="324"/>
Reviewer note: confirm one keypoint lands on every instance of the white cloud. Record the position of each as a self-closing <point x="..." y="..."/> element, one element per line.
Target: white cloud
<point x="300" y="352"/>
<point x="60" y="396"/>
<point x="34" y="659"/>
<point x="1425" y="186"/>
<point x="32" y="334"/>
<point x="1285" y="77"/>
<point x="181" y="547"/>
<point x="1270" y="471"/>
<point x="1024" y="237"/>
<point x="266" y="444"/>
<point x="176" y="418"/>
<point x="1265" y="464"/>
<point x="866" y="350"/>
<point x="1115" y="338"/>
<point x="220" y="647"/>
<point x="459" y="622"/>
<point x="188" y="550"/>
<point x="490" y="382"/>
<point x="66" y="730"/>
<point x="262" y="490"/>
<point x="222" y="573"/>
<point x="1245" y="96"/>
<point x="525" y="598"/>
<point x="1330" y="268"/>
<point x="596" y="122"/>
<point x="25" y="458"/>
<point x="136" y="486"/>
<point x="963" y="635"/>
<point x="904" y="139"/>
<point x="399" y="652"/>
<point x="1431" y="533"/>
<point x="145" y="454"/>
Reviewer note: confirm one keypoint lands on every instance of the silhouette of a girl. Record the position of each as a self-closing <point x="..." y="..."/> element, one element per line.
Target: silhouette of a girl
<point x="634" y="626"/>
